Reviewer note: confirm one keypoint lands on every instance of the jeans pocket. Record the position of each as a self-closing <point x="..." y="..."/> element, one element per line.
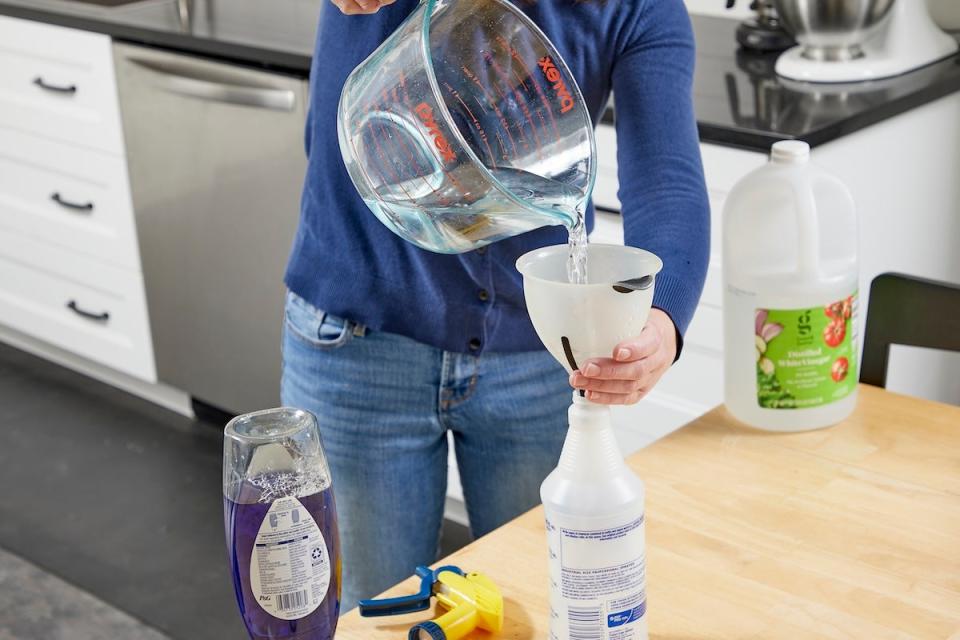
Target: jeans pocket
<point x="315" y="327"/>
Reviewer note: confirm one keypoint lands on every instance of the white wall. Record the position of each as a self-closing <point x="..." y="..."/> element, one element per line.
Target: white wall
<point x="903" y="174"/>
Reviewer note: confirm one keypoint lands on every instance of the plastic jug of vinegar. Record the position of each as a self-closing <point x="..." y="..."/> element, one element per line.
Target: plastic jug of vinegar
<point x="790" y="270"/>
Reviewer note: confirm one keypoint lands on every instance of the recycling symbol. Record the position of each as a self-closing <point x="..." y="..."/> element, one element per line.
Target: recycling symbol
<point x="316" y="553"/>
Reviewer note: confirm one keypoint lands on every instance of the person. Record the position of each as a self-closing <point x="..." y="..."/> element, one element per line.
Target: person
<point x="396" y="349"/>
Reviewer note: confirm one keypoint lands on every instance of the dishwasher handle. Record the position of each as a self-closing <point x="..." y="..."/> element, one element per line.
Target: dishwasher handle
<point x="192" y="83"/>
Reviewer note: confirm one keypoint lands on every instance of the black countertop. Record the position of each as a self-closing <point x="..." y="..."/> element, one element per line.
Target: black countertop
<point x="740" y="101"/>
<point x="276" y="34"/>
<point x="738" y="98"/>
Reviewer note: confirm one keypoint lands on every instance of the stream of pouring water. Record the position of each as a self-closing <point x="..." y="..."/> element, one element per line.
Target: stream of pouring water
<point x="577" y="256"/>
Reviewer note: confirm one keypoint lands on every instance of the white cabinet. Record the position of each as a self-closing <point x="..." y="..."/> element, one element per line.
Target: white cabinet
<point x="75" y="303"/>
<point x="69" y="261"/>
<point x="58" y="83"/>
<point x="69" y="196"/>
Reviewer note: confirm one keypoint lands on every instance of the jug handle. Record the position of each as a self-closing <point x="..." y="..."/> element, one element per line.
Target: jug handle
<point x="808" y="220"/>
<point x="808" y="227"/>
<point x="413" y="132"/>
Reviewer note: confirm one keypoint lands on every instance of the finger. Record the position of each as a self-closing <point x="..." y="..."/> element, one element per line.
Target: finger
<point x="372" y="6"/>
<point x="615" y="398"/>
<point x="607" y="369"/>
<point x="646" y="344"/>
<point x="348" y="7"/>
<point x="578" y="381"/>
<point x="353" y="7"/>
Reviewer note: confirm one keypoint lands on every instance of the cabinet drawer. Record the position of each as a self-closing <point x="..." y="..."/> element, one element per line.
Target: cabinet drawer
<point x="59" y="83"/>
<point x="607" y="228"/>
<point x="723" y="167"/>
<point x="706" y="329"/>
<point x="69" y="196"/>
<point x="605" y="190"/>
<point x="75" y="303"/>
<point x="713" y="286"/>
<point x="696" y="379"/>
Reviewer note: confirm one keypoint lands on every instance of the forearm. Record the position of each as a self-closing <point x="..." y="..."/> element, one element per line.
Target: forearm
<point x="665" y="206"/>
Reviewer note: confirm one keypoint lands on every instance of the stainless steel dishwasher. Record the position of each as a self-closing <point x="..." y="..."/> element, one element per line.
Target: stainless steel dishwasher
<point x="215" y="154"/>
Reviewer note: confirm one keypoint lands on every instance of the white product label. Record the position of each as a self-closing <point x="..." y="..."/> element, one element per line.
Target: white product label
<point x="597" y="579"/>
<point x="289" y="565"/>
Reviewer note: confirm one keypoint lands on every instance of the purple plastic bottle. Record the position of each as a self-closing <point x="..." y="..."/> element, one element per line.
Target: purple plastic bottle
<point x="281" y="525"/>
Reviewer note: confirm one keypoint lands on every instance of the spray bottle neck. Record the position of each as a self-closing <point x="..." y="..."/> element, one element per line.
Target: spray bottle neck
<point x="590" y="447"/>
<point x="586" y="415"/>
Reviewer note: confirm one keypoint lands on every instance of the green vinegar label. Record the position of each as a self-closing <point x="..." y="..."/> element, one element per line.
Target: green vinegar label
<point x="806" y="357"/>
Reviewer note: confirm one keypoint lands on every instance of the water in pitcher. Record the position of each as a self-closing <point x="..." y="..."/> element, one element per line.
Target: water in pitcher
<point x="474" y="214"/>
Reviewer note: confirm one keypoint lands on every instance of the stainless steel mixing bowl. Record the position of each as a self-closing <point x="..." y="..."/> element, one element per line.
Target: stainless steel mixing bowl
<point x="833" y="30"/>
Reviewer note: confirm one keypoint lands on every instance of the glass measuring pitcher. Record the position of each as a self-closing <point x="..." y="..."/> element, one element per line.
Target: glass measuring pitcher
<point x="465" y="127"/>
<point x="281" y="526"/>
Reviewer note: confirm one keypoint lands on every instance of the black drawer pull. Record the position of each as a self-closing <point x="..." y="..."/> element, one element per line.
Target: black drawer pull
<point x="76" y="206"/>
<point x="56" y="88"/>
<point x="99" y="317"/>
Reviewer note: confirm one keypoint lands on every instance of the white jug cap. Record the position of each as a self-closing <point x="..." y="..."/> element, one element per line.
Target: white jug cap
<point x="790" y="152"/>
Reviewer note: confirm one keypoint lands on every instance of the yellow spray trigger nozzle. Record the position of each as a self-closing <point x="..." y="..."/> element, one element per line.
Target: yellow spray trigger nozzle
<point x="473" y="601"/>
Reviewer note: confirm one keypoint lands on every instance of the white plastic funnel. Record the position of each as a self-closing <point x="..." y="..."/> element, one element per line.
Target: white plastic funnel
<point x="576" y="322"/>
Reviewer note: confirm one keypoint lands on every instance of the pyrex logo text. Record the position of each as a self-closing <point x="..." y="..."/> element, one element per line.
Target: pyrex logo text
<point x="553" y="75"/>
<point x="439" y="140"/>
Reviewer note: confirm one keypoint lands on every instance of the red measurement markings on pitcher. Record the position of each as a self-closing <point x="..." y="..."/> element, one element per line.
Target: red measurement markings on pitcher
<point x="521" y="101"/>
<point x="517" y="124"/>
<point x="388" y="159"/>
<point x="439" y="140"/>
<point x="376" y="136"/>
<point x="536" y="85"/>
<point x="425" y="111"/>
<point x="475" y="121"/>
<point x="559" y="86"/>
<point x="504" y="124"/>
<point x="403" y="87"/>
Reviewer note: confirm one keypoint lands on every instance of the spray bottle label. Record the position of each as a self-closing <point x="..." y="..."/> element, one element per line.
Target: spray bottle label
<point x="290" y="566"/>
<point x="597" y="580"/>
<point x="806" y="357"/>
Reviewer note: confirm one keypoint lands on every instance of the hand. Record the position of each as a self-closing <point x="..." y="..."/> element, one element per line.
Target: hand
<point x="356" y="7"/>
<point x="636" y="365"/>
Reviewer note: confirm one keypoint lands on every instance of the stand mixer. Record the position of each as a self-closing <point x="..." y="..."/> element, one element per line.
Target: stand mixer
<point x="763" y="32"/>
<point x="858" y="40"/>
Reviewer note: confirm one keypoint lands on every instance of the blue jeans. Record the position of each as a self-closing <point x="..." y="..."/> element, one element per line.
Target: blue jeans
<point x="385" y="404"/>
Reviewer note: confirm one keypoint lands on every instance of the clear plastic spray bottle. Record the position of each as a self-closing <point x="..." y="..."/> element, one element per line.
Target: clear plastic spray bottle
<point x="594" y="508"/>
